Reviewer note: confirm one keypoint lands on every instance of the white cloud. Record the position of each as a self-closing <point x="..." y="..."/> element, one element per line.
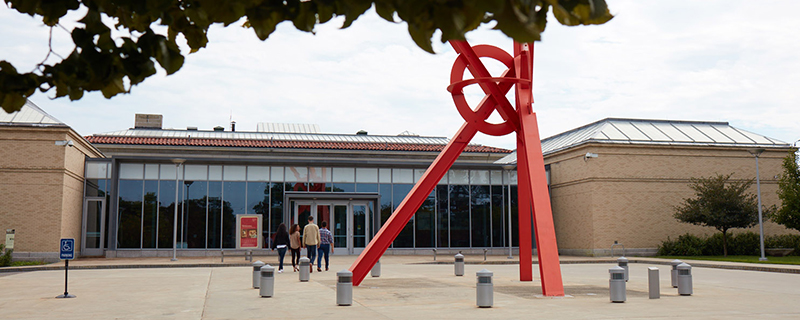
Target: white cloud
<point x="710" y="60"/>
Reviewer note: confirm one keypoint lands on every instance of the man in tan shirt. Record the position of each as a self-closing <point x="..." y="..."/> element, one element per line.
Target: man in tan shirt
<point x="311" y="240"/>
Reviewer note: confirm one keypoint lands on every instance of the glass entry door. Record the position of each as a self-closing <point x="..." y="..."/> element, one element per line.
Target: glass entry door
<point x="94" y="225"/>
<point x="347" y="220"/>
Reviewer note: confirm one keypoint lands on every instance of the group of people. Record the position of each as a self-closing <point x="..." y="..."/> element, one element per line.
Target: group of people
<point x="318" y="241"/>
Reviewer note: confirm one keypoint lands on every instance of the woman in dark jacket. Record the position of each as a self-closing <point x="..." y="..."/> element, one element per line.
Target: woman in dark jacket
<point x="281" y="242"/>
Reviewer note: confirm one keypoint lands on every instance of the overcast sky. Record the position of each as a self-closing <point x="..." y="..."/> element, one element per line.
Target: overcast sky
<point x="734" y="61"/>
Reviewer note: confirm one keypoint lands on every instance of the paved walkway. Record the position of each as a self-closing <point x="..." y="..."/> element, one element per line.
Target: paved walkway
<point x="410" y="287"/>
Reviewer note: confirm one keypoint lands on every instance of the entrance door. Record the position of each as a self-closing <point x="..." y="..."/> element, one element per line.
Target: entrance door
<point x="94" y="225"/>
<point x="347" y="220"/>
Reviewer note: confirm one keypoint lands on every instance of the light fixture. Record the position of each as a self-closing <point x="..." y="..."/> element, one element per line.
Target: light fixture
<point x="65" y="143"/>
<point x="590" y="155"/>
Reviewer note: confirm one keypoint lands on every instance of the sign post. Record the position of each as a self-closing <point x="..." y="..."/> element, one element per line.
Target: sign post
<point x="67" y="253"/>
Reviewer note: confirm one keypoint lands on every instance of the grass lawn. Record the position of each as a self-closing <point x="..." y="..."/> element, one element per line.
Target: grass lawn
<point x="749" y="259"/>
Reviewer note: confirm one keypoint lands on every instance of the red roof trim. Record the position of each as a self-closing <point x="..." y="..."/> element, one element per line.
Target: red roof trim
<point x="195" y="142"/>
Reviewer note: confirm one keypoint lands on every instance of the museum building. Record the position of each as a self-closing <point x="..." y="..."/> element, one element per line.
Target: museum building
<point x="146" y="190"/>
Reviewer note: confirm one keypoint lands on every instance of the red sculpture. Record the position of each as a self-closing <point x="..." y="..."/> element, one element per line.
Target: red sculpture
<point x="534" y="200"/>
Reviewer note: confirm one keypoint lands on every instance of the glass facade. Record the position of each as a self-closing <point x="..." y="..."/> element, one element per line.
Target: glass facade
<point x="467" y="209"/>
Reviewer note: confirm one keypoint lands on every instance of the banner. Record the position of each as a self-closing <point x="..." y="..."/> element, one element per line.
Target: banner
<point x="248" y="231"/>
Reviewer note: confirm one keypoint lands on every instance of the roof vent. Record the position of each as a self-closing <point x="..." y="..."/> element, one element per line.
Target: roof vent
<point x="148" y="121"/>
<point x="191" y="128"/>
<point x="361" y="133"/>
<point x="219" y="128"/>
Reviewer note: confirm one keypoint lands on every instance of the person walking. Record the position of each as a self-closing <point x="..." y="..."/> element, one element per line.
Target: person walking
<point x="325" y="245"/>
<point x="294" y="245"/>
<point x="310" y="241"/>
<point x="281" y="242"/>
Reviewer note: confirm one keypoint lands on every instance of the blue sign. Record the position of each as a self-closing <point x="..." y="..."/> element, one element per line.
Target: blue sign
<point x="67" y="249"/>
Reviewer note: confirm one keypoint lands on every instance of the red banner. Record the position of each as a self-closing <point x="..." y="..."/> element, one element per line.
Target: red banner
<point x="249" y="232"/>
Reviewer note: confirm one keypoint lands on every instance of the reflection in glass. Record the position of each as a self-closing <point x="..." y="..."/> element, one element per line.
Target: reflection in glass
<point x="459" y="216"/>
<point x="367" y="187"/>
<point x="233" y="196"/>
<point x="149" y="232"/>
<point x="480" y="202"/>
<point x="93" y="224"/>
<point x="359" y="226"/>
<point x="406" y="237"/>
<point x="258" y="203"/>
<point x="386" y="202"/>
<point x="195" y="206"/>
<point x="499" y="216"/>
<point x="425" y="222"/>
<point x="343" y="187"/>
<point x="276" y="214"/>
<point x="339" y="226"/>
<point x="303" y="211"/>
<point x="514" y="217"/>
<point x="166" y="213"/>
<point x="130" y="214"/>
<point x="214" y="214"/>
<point x="442" y="216"/>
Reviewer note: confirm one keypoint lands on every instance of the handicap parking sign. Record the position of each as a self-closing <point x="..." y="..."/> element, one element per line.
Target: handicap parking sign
<point x="67" y="249"/>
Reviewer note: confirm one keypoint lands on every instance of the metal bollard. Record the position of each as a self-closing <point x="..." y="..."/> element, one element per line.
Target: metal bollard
<point x="267" y="281"/>
<point x="344" y="288"/>
<point x="653" y="282"/>
<point x="684" y="279"/>
<point x="459" y="265"/>
<point x="616" y="284"/>
<point x="305" y="269"/>
<point x="484" y="289"/>
<point x="256" y="273"/>
<point x="434" y="254"/>
<point x="484" y="254"/>
<point x="673" y="274"/>
<point x="376" y="270"/>
<point x="623" y="262"/>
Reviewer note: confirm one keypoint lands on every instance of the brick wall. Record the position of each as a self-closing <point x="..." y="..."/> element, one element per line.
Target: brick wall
<point x="628" y="193"/>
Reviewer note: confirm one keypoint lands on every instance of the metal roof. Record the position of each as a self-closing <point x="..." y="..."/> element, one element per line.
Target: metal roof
<point x="287" y="127"/>
<point x="29" y="114"/>
<point x="272" y="136"/>
<point x="654" y="132"/>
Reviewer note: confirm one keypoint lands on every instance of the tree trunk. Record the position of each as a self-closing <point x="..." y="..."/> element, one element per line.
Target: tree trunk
<point x="725" y="242"/>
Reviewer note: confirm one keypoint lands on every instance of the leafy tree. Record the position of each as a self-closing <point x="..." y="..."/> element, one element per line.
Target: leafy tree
<point x="788" y="214"/>
<point x="102" y="63"/>
<point x="721" y="204"/>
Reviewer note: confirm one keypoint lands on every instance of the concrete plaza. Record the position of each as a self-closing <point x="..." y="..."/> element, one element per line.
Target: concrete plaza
<point x="410" y="287"/>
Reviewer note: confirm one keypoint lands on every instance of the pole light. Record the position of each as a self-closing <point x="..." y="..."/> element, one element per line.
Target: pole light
<point x="757" y="152"/>
<point x="177" y="163"/>
<point x="508" y="169"/>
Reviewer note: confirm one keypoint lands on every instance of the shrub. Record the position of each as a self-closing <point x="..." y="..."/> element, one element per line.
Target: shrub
<point x="685" y="245"/>
<point x="784" y="241"/>
<point x="5" y="258"/>
<point x="746" y="243"/>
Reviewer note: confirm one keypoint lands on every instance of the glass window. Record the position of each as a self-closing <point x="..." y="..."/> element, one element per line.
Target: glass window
<point x="257" y="173"/>
<point x="131" y="171"/>
<point x="344" y="175"/>
<point x="215" y="173"/>
<point x="343" y="187"/>
<point x="196" y="172"/>
<point x="151" y="172"/>
<point x="277" y="174"/>
<point x="276" y="215"/>
<point x="479" y="177"/>
<point x="296" y="174"/>
<point x="514" y="217"/>
<point x="480" y="200"/>
<point x="459" y="216"/>
<point x="214" y="214"/>
<point x="386" y="202"/>
<point x="149" y="231"/>
<point x="497" y="177"/>
<point x="233" y="196"/>
<point x="130" y="213"/>
<point x="195" y="206"/>
<point x="234" y="173"/>
<point x="95" y="188"/>
<point x="442" y="216"/>
<point x="385" y="175"/>
<point x="367" y="175"/>
<point x="166" y="212"/>
<point x="406" y="237"/>
<point x="367" y="187"/>
<point x="418" y="174"/>
<point x="499" y="216"/>
<point x="96" y="170"/>
<point x="403" y="175"/>
<point x="513" y="177"/>
<point x="319" y="175"/>
<point x="458" y="176"/>
<point x="425" y="223"/>
<point x="168" y="172"/>
<point x="258" y="202"/>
